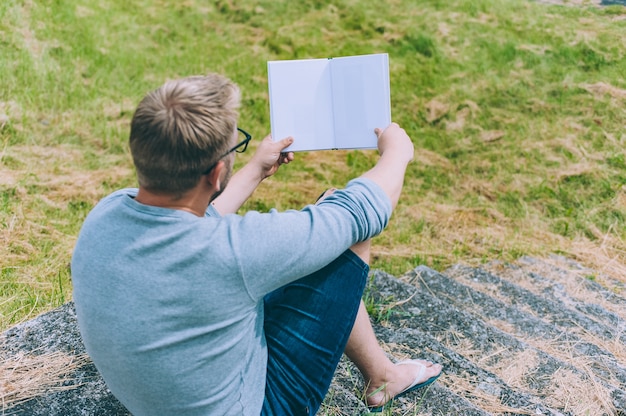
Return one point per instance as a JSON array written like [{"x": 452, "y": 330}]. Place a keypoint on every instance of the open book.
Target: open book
[{"x": 330, "y": 103}]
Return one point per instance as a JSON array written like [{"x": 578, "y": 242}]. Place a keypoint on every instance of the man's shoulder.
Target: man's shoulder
[
  {"x": 117, "y": 196},
  {"x": 120, "y": 193},
  {"x": 109, "y": 201}
]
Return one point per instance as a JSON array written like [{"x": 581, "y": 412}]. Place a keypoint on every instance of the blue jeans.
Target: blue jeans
[{"x": 307, "y": 325}]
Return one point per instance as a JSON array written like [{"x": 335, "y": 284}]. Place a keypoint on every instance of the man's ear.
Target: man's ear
[{"x": 213, "y": 177}]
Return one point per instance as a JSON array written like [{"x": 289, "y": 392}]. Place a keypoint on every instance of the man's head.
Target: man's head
[{"x": 182, "y": 129}]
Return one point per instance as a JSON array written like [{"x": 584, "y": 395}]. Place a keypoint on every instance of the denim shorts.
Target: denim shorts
[{"x": 307, "y": 325}]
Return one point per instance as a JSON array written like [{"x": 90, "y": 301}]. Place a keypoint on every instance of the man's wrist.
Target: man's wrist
[
  {"x": 397, "y": 157},
  {"x": 255, "y": 172}
]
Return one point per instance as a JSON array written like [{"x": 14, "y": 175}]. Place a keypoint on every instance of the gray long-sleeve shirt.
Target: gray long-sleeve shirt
[{"x": 170, "y": 305}]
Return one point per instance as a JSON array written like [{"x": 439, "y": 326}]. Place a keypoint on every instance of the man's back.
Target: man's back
[
  {"x": 170, "y": 304},
  {"x": 158, "y": 316}
]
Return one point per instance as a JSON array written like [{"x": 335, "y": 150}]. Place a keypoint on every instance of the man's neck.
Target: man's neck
[{"x": 194, "y": 201}]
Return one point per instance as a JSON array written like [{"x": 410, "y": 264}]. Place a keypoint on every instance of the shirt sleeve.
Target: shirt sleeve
[{"x": 276, "y": 248}]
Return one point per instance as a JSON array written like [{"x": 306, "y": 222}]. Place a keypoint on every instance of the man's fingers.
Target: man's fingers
[
  {"x": 285, "y": 157},
  {"x": 286, "y": 142}
]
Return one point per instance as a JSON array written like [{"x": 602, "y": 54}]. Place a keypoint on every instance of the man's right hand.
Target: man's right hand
[{"x": 395, "y": 140}]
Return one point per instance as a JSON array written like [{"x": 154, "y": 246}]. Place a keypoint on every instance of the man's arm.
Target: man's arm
[
  {"x": 395, "y": 147},
  {"x": 265, "y": 162},
  {"x": 396, "y": 151}
]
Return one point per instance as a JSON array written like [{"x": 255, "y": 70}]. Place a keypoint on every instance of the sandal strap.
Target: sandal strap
[{"x": 420, "y": 373}]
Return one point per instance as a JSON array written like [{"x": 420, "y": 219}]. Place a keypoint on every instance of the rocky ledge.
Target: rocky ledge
[{"x": 537, "y": 337}]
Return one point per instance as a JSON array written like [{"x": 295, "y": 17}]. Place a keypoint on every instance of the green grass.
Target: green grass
[{"x": 516, "y": 109}]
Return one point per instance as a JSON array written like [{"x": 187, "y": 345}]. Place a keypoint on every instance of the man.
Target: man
[{"x": 189, "y": 309}]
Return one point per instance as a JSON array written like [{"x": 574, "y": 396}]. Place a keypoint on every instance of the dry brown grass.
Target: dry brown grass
[
  {"x": 479, "y": 394},
  {"x": 608, "y": 256},
  {"x": 478, "y": 231},
  {"x": 578, "y": 395},
  {"x": 25, "y": 376},
  {"x": 36, "y": 242},
  {"x": 517, "y": 369},
  {"x": 572, "y": 281}
]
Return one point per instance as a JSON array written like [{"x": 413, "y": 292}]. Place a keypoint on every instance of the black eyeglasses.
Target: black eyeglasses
[
  {"x": 239, "y": 148},
  {"x": 242, "y": 145}
]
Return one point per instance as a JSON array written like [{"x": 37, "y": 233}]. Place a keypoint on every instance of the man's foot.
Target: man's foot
[{"x": 403, "y": 377}]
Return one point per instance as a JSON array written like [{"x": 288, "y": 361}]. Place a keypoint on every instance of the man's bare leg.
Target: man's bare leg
[{"x": 383, "y": 378}]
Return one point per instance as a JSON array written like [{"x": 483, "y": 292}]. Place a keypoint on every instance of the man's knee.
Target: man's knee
[{"x": 363, "y": 250}]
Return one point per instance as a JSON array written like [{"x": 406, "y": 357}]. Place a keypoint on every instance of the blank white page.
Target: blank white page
[
  {"x": 300, "y": 103},
  {"x": 361, "y": 99}
]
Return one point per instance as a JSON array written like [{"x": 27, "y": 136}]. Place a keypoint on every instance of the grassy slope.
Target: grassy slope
[{"x": 516, "y": 109}]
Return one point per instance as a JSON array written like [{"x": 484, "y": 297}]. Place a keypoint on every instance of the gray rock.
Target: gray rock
[{"x": 81, "y": 391}]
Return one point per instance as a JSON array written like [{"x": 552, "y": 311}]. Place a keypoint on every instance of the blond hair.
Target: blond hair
[{"x": 182, "y": 129}]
